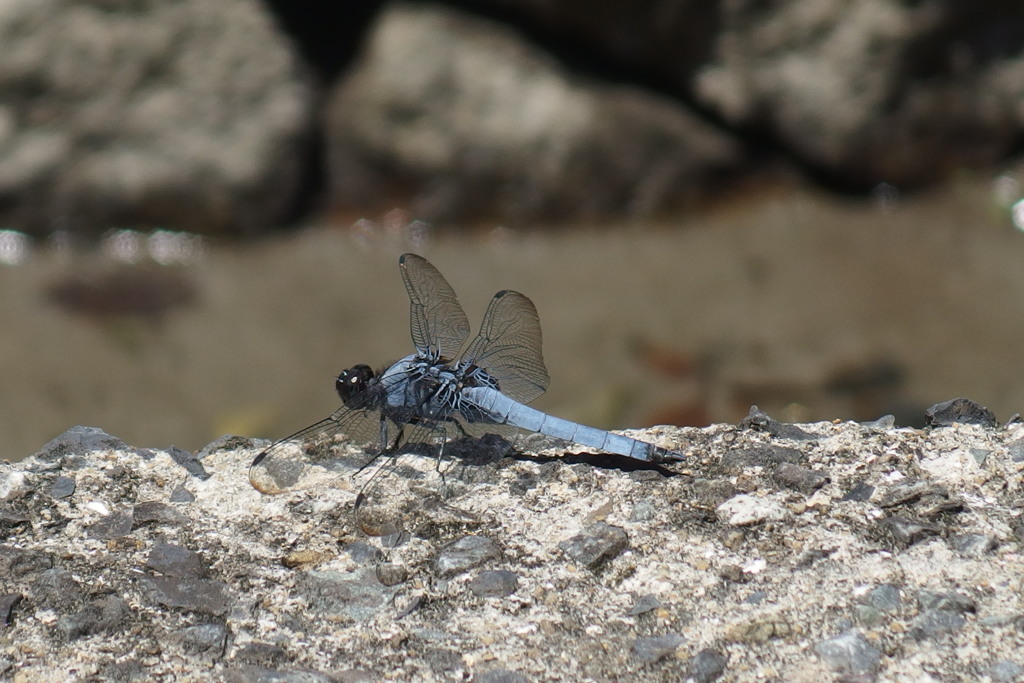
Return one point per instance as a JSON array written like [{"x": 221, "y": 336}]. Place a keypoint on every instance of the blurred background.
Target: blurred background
[{"x": 812, "y": 207}]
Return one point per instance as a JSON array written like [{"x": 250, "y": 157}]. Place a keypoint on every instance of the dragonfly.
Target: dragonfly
[{"x": 428, "y": 399}]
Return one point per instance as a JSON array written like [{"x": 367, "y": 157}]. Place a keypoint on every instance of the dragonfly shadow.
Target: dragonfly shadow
[{"x": 602, "y": 461}]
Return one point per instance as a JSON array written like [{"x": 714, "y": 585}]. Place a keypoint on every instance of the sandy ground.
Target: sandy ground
[{"x": 810, "y": 307}]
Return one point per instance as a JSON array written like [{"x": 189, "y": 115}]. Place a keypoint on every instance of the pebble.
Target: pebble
[
  {"x": 391, "y": 574},
  {"x": 7, "y": 604},
  {"x": 180, "y": 494},
  {"x": 597, "y": 544},
  {"x": 645, "y": 603},
  {"x": 973, "y": 545},
  {"x": 761, "y": 456},
  {"x": 1016, "y": 450},
  {"x": 174, "y": 560},
  {"x": 199, "y": 595},
  {"x": 79, "y": 441},
  {"x": 115, "y": 525},
  {"x": 158, "y": 513},
  {"x": 758, "y": 421},
  {"x": 859, "y": 492},
  {"x": 885, "y": 597},
  {"x": 464, "y": 554},
  {"x": 357, "y": 595},
  {"x": 496, "y": 583},
  {"x": 653, "y": 649},
  {"x": 934, "y": 623},
  {"x": 56, "y": 589},
  {"x": 706, "y": 666},
  {"x": 103, "y": 615},
  {"x": 849, "y": 653},
  {"x": 210, "y": 638},
  {"x": 189, "y": 461},
  {"x": 61, "y": 487},
  {"x": 799, "y": 478},
  {"x": 945, "y": 601},
  {"x": 959, "y": 410},
  {"x": 905, "y": 532},
  {"x": 745, "y": 510}
]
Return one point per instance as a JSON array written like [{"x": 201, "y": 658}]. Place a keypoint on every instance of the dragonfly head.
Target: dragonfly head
[{"x": 352, "y": 382}]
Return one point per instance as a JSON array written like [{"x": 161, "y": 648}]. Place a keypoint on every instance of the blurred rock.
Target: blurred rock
[
  {"x": 890, "y": 91},
  {"x": 185, "y": 114},
  {"x": 464, "y": 118}
]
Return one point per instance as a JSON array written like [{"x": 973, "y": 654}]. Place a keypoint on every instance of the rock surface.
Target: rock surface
[{"x": 549, "y": 571}]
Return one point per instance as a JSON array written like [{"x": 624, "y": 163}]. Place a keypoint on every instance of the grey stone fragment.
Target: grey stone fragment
[
  {"x": 959, "y": 410},
  {"x": 946, "y": 601},
  {"x": 16, "y": 562},
  {"x": 464, "y": 554},
  {"x": 849, "y": 652},
  {"x": 117, "y": 524},
  {"x": 159, "y": 513},
  {"x": 103, "y": 615},
  {"x": 596, "y": 544},
  {"x": 906, "y": 532},
  {"x": 973, "y": 545},
  {"x": 935, "y": 623},
  {"x": 61, "y": 487},
  {"x": 706, "y": 666},
  {"x": 758, "y": 421},
  {"x": 494, "y": 583},
  {"x": 263, "y": 654},
  {"x": 189, "y": 461},
  {"x": 56, "y": 589},
  {"x": 7, "y": 603},
  {"x": 868, "y": 616},
  {"x": 199, "y": 595},
  {"x": 211, "y": 638},
  {"x": 859, "y": 492},
  {"x": 1016, "y": 450},
  {"x": 79, "y": 441},
  {"x": 390, "y": 574},
  {"x": 181, "y": 495},
  {"x": 802, "y": 479},
  {"x": 885, "y": 597},
  {"x": 12, "y": 518},
  {"x": 761, "y": 456},
  {"x": 174, "y": 560},
  {"x": 645, "y": 603},
  {"x": 653, "y": 649},
  {"x": 357, "y": 595}
]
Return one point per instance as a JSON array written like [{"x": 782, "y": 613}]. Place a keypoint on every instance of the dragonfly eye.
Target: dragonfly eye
[{"x": 353, "y": 381}]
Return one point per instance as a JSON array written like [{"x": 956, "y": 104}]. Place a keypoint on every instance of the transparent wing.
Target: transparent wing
[
  {"x": 509, "y": 346},
  {"x": 337, "y": 446},
  {"x": 439, "y": 325}
]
